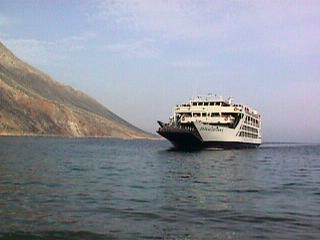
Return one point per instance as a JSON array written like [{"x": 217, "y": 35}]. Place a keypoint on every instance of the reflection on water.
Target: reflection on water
[{"x": 102, "y": 189}]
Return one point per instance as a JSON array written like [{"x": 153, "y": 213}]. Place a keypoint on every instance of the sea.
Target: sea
[{"x": 56, "y": 188}]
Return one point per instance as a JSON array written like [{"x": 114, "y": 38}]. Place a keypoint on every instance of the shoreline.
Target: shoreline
[{"x": 77, "y": 137}]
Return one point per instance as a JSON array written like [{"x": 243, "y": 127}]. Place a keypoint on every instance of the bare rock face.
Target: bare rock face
[{"x": 31, "y": 103}]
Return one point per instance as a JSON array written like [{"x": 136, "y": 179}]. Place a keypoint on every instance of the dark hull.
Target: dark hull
[
  {"x": 229, "y": 145},
  {"x": 186, "y": 139},
  {"x": 183, "y": 140}
]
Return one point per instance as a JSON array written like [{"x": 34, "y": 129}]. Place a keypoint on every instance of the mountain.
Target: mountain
[{"x": 32, "y": 103}]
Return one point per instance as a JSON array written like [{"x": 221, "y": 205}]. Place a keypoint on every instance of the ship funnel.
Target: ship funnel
[{"x": 230, "y": 100}]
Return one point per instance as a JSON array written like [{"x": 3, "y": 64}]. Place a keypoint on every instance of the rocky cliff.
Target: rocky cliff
[{"x": 31, "y": 103}]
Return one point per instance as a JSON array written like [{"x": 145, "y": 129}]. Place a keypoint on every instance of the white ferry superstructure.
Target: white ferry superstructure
[{"x": 213, "y": 122}]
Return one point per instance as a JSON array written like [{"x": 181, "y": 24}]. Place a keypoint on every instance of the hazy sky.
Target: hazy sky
[{"x": 140, "y": 58}]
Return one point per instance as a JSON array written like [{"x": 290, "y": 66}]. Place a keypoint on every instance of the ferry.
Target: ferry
[{"x": 212, "y": 122}]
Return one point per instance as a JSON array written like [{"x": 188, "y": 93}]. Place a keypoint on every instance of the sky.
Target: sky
[{"x": 140, "y": 58}]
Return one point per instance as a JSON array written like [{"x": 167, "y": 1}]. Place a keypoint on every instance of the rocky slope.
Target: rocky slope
[{"x": 31, "y": 103}]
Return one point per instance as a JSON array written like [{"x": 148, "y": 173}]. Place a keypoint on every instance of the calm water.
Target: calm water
[{"x": 114, "y": 189}]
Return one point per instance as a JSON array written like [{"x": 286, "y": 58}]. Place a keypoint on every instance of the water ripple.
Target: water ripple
[{"x": 114, "y": 189}]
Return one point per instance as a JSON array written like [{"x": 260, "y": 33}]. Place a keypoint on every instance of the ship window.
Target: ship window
[
  {"x": 224, "y": 104},
  {"x": 217, "y": 104},
  {"x": 200, "y": 103},
  {"x": 206, "y": 104},
  {"x": 204, "y": 114},
  {"x": 215, "y": 115},
  {"x": 194, "y": 104},
  {"x": 211, "y": 103},
  {"x": 196, "y": 114}
]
